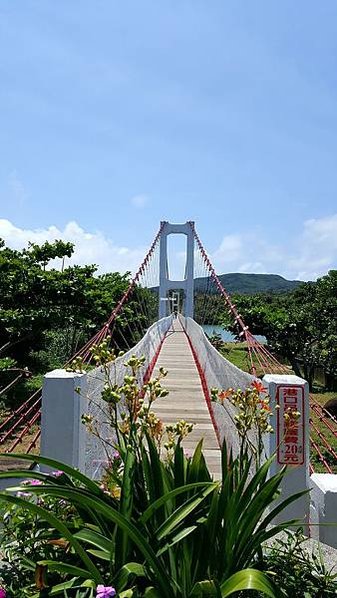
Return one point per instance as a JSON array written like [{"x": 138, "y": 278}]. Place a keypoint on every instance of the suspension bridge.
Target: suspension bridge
[{"x": 168, "y": 330}]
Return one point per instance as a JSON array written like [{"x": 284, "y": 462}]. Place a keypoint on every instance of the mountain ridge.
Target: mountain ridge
[{"x": 237, "y": 282}]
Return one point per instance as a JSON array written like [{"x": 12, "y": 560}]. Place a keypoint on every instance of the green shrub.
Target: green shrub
[
  {"x": 159, "y": 527},
  {"x": 296, "y": 572}
]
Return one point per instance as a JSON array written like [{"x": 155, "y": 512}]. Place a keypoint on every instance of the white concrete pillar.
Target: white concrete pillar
[
  {"x": 163, "y": 275},
  {"x": 62, "y": 432},
  {"x": 323, "y": 508},
  {"x": 290, "y": 441},
  {"x": 189, "y": 273}
]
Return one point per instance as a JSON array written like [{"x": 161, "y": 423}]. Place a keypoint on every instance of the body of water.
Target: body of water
[{"x": 227, "y": 336}]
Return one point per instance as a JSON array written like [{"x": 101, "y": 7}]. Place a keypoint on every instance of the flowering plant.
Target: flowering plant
[
  {"x": 162, "y": 528},
  {"x": 130, "y": 409},
  {"x": 105, "y": 591},
  {"x": 251, "y": 418}
]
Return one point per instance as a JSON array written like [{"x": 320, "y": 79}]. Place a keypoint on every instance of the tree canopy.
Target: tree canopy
[
  {"x": 301, "y": 325},
  {"x": 47, "y": 312}
]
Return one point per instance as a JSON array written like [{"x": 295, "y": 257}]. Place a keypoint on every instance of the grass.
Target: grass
[
  {"x": 330, "y": 437},
  {"x": 20, "y": 448},
  {"x": 237, "y": 354}
]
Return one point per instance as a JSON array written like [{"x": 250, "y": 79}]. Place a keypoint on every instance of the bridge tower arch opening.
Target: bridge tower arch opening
[{"x": 166, "y": 285}]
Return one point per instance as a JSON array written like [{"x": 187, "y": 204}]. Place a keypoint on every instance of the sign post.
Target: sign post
[{"x": 289, "y": 403}]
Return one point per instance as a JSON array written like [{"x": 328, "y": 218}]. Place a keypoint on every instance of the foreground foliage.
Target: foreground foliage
[
  {"x": 158, "y": 526},
  {"x": 177, "y": 532},
  {"x": 297, "y": 572}
]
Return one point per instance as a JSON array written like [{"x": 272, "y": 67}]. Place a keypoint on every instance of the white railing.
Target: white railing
[
  {"x": 66, "y": 396},
  {"x": 218, "y": 373}
]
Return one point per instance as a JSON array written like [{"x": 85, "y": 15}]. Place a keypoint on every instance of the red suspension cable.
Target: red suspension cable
[
  {"x": 21, "y": 415},
  {"x": 269, "y": 363},
  {"x": 226, "y": 296}
]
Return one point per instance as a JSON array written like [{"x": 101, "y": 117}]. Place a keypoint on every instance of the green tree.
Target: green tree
[
  {"x": 47, "y": 313},
  {"x": 300, "y": 326}
]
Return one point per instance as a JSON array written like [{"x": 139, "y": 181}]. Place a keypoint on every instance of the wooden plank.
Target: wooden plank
[{"x": 186, "y": 399}]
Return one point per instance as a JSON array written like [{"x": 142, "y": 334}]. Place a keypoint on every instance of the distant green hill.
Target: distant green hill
[{"x": 249, "y": 283}]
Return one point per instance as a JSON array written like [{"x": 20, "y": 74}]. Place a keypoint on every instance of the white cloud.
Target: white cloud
[
  {"x": 231, "y": 249},
  {"x": 309, "y": 255},
  {"x": 246, "y": 252},
  {"x": 139, "y": 201},
  {"x": 90, "y": 248},
  {"x": 318, "y": 247}
]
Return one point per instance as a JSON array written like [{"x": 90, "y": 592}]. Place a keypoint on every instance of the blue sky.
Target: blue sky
[{"x": 116, "y": 115}]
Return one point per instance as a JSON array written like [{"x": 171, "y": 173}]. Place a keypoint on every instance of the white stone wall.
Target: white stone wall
[{"x": 323, "y": 508}]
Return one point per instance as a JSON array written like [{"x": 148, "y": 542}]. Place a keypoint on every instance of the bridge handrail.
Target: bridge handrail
[{"x": 149, "y": 346}]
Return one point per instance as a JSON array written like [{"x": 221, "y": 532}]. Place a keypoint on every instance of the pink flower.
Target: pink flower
[
  {"x": 104, "y": 591},
  {"x": 31, "y": 483},
  {"x": 56, "y": 473},
  {"x": 2, "y": 593}
]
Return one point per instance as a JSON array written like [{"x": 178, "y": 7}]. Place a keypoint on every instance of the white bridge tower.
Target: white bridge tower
[{"x": 165, "y": 284}]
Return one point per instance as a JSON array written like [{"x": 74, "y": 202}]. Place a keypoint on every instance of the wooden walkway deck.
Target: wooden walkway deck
[{"x": 186, "y": 399}]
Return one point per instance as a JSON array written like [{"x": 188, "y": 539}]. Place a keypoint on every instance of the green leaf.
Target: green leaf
[
  {"x": 58, "y": 525},
  {"x": 186, "y": 531},
  {"x": 169, "y": 495},
  {"x": 128, "y": 572},
  {"x": 182, "y": 512},
  {"x": 151, "y": 593},
  {"x": 95, "y": 539},
  {"x": 204, "y": 589},
  {"x": 156, "y": 469},
  {"x": 125, "y": 508},
  {"x": 179, "y": 466},
  {"x": 100, "y": 554},
  {"x": 147, "y": 473},
  {"x": 55, "y": 465},
  {"x": 197, "y": 470},
  {"x": 248, "y": 579},
  {"x": 67, "y": 585},
  {"x": 110, "y": 514},
  {"x": 64, "y": 568}
]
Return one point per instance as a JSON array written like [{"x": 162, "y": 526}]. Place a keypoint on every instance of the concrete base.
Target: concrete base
[
  {"x": 63, "y": 404},
  {"x": 323, "y": 508}
]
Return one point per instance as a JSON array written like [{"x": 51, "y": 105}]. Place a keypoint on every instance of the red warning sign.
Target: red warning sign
[{"x": 290, "y": 433}]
